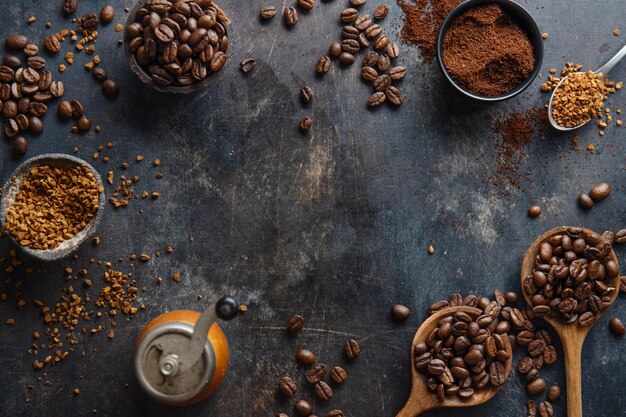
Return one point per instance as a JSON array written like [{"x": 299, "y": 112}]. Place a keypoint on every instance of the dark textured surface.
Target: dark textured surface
[{"x": 333, "y": 225}]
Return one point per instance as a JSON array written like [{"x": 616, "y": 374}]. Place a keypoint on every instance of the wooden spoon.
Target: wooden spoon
[
  {"x": 572, "y": 335},
  {"x": 420, "y": 398}
]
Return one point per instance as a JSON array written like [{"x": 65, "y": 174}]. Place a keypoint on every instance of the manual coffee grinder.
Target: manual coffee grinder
[{"x": 181, "y": 357}]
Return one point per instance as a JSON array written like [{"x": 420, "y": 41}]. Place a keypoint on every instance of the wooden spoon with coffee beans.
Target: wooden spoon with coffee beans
[
  {"x": 421, "y": 399},
  {"x": 572, "y": 335}
]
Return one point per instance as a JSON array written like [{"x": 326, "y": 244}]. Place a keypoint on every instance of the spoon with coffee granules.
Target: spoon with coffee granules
[
  {"x": 572, "y": 335},
  {"x": 421, "y": 399},
  {"x": 604, "y": 70}
]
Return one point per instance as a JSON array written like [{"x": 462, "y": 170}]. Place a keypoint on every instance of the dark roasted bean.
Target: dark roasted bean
[
  {"x": 400, "y": 312},
  {"x": 305, "y": 124},
  {"x": 295, "y": 323},
  {"x": 290, "y": 16},
  {"x": 349, "y": 15},
  {"x": 334, "y": 50},
  {"x": 306, "y": 4},
  {"x": 381, "y": 12},
  {"x": 346, "y": 58},
  {"x": 338, "y": 374},
  {"x": 16, "y": 42},
  {"x": 394, "y": 95},
  {"x": 376, "y": 99},
  {"x": 70, "y": 6},
  {"x": 305, "y": 357},
  {"x": 369, "y": 73},
  {"x": 316, "y": 373},
  {"x": 352, "y": 349},
  {"x": 323, "y": 391},
  {"x": 323, "y": 65},
  {"x": 600, "y": 191},
  {"x": 585, "y": 201},
  {"x": 303, "y": 408},
  {"x": 306, "y": 94},
  {"x": 287, "y": 386},
  {"x": 616, "y": 326}
]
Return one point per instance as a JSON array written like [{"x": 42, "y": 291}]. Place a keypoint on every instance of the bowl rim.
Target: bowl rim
[
  {"x": 84, "y": 234},
  {"x": 146, "y": 79},
  {"x": 529, "y": 26}
]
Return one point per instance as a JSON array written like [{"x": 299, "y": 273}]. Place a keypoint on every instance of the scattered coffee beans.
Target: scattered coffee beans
[
  {"x": 616, "y": 326},
  {"x": 400, "y": 312}
]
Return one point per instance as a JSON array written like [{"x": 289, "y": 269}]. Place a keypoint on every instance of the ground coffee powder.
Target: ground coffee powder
[{"x": 486, "y": 52}]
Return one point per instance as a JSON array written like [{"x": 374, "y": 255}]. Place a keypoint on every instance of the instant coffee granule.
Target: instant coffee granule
[
  {"x": 486, "y": 52},
  {"x": 52, "y": 205}
]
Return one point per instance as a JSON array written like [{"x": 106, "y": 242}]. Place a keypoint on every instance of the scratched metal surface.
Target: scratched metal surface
[{"x": 333, "y": 225}]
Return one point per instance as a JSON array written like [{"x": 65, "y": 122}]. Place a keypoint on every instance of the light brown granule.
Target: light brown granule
[{"x": 52, "y": 205}]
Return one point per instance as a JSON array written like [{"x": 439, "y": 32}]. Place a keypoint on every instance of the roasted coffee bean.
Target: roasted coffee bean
[
  {"x": 620, "y": 236},
  {"x": 9, "y": 109},
  {"x": 536, "y": 387},
  {"x": 77, "y": 108},
  {"x": 267, "y": 12},
  {"x": 335, "y": 413},
  {"x": 218, "y": 61},
  {"x": 99, "y": 74},
  {"x": 338, "y": 374},
  {"x": 400, "y": 312},
  {"x": 11, "y": 128},
  {"x": 65, "y": 110},
  {"x": 306, "y": 4},
  {"x": 247, "y": 65},
  {"x": 363, "y": 22},
  {"x": 303, "y": 408},
  {"x": 52, "y": 44},
  {"x": 383, "y": 64},
  {"x": 350, "y": 32},
  {"x": 107, "y": 14},
  {"x": 349, "y": 15},
  {"x": 554, "y": 393},
  {"x": 35, "y": 125},
  {"x": 287, "y": 386},
  {"x": 369, "y": 73},
  {"x": 381, "y": 12},
  {"x": 6, "y": 74},
  {"x": 89, "y": 21},
  {"x": 376, "y": 99},
  {"x": 305, "y": 357},
  {"x": 37, "y": 109},
  {"x": 352, "y": 349},
  {"x": 20, "y": 145},
  {"x": 393, "y": 50},
  {"x": 164, "y": 33},
  {"x": 334, "y": 50},
  {"x": 531, "y": 408},
  {"x": 350, "y": 46},
  {"x": 394, "y": 95},
  {"x": 323, "y": 391},
  {"x": 616, "y": 326},
  {"x": 373, "y": 31},
  {"x": 23, "y": 104},
  {"x": 363, "y": 41},
  {"x": 83, "y": 124},
  {"x": 70, "y": 6},
  {"x": 381, "y": 42},
  {"x": 306, "y": 94},
  {"x": 57, "y": 89},
  {"x": 600, "y": 191},
  {"x": 586, "y": 319},
  {"x": 346, "y": 58},
  {"x": 22, "y": 122},
  {"x": 510, "y": 297},
  {"x": 37, "y": 62},
  {"x": 305, "y": 124},
  {"x": 323, "y": 65},
  {"x": 110, "y": 89},
  {"x": 382, "y": 83},
  {"x": 525, "y": 365},
  {"x": 370, "y": 59},
  {"x": 11, "y": 61},
  {"x": 295, "y": 323},
  {"x": 585, "y": 201},
  {"x": 316, "y": 373},
  {"x": 497, "y": 375},
  {"x": 545, "y": 409},
  {"x": 16, "y": 42},
  {"x": 290, "y": 16},
  {"x": 357, "y": 3}
]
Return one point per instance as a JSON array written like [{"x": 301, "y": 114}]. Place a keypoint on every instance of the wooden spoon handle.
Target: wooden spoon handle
[{"x": 572, "y": 348}]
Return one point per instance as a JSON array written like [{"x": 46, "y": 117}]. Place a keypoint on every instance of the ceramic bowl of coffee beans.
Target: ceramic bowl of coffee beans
[
  {"x": 177, "y": 46},
  {"x": 51, "y": 204},
  {"x": 489, "y": 50}
]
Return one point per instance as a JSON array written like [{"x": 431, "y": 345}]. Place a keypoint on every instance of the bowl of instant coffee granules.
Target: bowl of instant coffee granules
[
  {"x": 490, "y": 50},
  {"x": 176, "y": 46},
  {"x": 51, "y": 204}
]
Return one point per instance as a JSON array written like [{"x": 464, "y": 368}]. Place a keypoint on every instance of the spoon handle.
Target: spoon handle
[
  {"x": 572, "y": 348},
  {"x": 613, "y": 61}
]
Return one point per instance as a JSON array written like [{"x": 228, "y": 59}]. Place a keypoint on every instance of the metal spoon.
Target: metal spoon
[
  {"x": 421, "y": 398},
  {"x": 604, "y": 70}
]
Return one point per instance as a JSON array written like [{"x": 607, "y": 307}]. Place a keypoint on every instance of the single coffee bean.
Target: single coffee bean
[
  {"x": 22, "y": 122},
  {"x": 335, "y": 413},
  {"x": 89, "y": 20},
  {"x": 346, "y": 58},
  {"x": 11, "y": 128},
  {"x": 9, "y": 109},
  {"x": 400, "y": 312},
  {"x": 497, "y": 375},
  {"x": 107, "y": 14},
  {"x": 510, "y": 297},
  {"x": 305, "y": 357},
  {"x": 394, "y": 95},
  {"x": 11, "y": 61},
  {"x": 363, "y": 22},
  {"x": 295, "y": 323},
  {"x": 35, "y": 125},
  {"x": 6, "y": 74},
  {"x": 83, "y": 124},
  {"x": 316, "y": 373},
  {"x": 303, "y": 408},
  {"x": 20, "y": 145},
  {"x": 76, "y": 107},
  {"x": 70, "y": 6},
  {"x": 545, "y": 409},
  {"x": 600, "y": 191},
  {"x": 305, "y": 124},
  {"x": 393, "y": 50},
  {"x": 338, "y": 374},
  {"x": 369, "y": 73},
  {"x": 382, "y": 83},
  {"x": 323, "y": 391},
  {"x": 376, "y": 99},
  {"x": 16, "y": 42},
  {"x": 218, "y": 61},
  {"x": 534, "y": 211},
  {"x": 554, "y": 393},
  {"x": 381, "y": 42},
  {"x": 384, "y": 63},
  {"x": 287, "y": 386},
  {"x": 620, "y": 236},
  {"x": 110, "y": 89},
  {"x": 350, "y": 32},
  {"x": 585, "y": 201},
  {"x": 349, "y": 15},
  {"x": 616, "y": 326},
  {"x": 52, "y": 44},
  {"x": 334, "y": 50},
  {"x": 267, "y": 12},
  {"x": 531, "y": 407},
  {"x": 352, "y": 349},
  {"x": 37, "y": 109},
  {"x": 37, "y": 62},
  {"x": 57, "y": 89},
  {"x": 65, "y": 110},
  {"x": 586, "y": 319},
  {"x": 357, "y": 3},
  {"x": 350, "y": 45},
  {"x": 306, "y": 4},
  {"x": 550, "y": 355},
  {"x": 99, "y": 74},
  {"x": 373, "y": 31},
  {"x": 536, "y": 386},
  {"x": 306, "y": 94},
  {"x": 370, "y": 59},
  {"x": 291, "y": 16},
  {"x": 525, "y": 365},
  {"x": 363, "y": 41},
  {"x": 323, "y": 65},
  {"x": 247, "y": 65},
  {"x": 381, "y": 12}
]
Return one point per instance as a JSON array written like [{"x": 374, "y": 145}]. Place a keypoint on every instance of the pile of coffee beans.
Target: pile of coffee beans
[
  {"x": 462, "y": 355},
  {"x": 178, "y": 43},
  {"x": 315, "y": 375},
  {"x": 572, "y": 276},
  {"x": 25, "y": 88}
]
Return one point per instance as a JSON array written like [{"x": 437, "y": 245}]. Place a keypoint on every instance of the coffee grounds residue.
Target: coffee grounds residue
[
  {"x": 486, "y": 52},
  {"x": 422, "y": 20}
]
